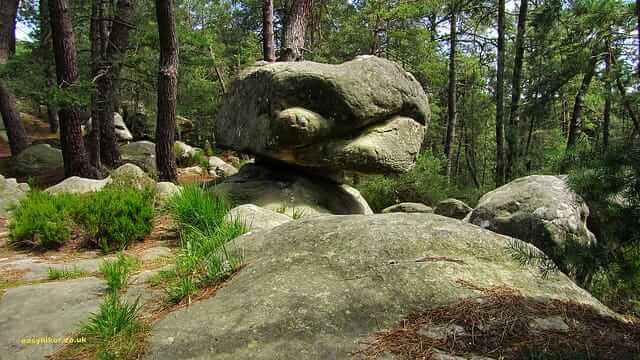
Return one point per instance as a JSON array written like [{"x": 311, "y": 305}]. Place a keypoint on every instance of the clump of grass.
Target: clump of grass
[
  {"x": 295, "y": 212},
  {"x": 117, "y": 272},
  {"x": 115, "y": 331},
  {"x": 65, "y": 274},
  {"x": 203, "y": 258}
]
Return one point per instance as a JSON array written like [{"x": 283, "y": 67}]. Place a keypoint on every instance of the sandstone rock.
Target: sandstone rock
[
  {"x": 40, "y": 159},
  {"x": 11, "y": 192},
  {"x": 141, "y": 153},
  {"x": 408, "y": 207},
  {"x": 165, "y": 190},
  {"x": 122, "y": 132},
  {"x": 538, "y": 209},
  {"x": 77, "y": 185},
  {"x": 130, "y": 176},
  {"x": 184, "y": 152},
  {"x": 314, "y": 288},
  {"x": 192, "y": 171},
  {"x": 50, "y": 309},
  {"x": 365, "y": 115},
  {"x": 219, "y": 168},
  {"x": 296, "y": 195},
  {"x": 553, "y": 323},
  {"x": 453, "y": 208},
  {"x": 255, "y": 217}
]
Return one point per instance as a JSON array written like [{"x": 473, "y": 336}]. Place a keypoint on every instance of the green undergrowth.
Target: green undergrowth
[
  {"x": 203, "y": 259},
  {"x": 65, "y": 273},
  {"x": 111, "y": 219}
]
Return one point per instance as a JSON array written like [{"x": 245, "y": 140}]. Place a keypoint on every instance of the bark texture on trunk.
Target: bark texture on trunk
[
  {"x": 45, "y": 52},
  {"x": 97, "y": 12},
  {"x": 513, "y": 133},
  {"x": 606, "y": 118},
  {"x": 576, "y": 116},
  {"x": 109, "y": 74},
  {"x": 167, "y": 94},
  {"x": 451, "y": 109},
  {"x": 294, "y": 31},
  {"x": 500, "y": 158},
  {"x": 268, "y": 42},
  {"x": 18, "y": 140},
  {"x": 8, "y": 13},
  {"x": 74, "y": 154}
]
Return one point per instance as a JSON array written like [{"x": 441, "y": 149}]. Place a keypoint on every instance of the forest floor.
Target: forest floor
[{"x": 37, "y": 131}]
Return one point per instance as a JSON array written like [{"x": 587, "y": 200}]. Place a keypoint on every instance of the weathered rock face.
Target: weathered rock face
[
  {"x": 314, "y": 288},
  {"x": 255, "y": 217},
  {"x": 365, "y": 115},
  {"x": 219, "y": 168},
  {"x": 141, "y": 153},
  {"x": 296, "y": 195},
  {"x": 453, "y": 208},
  {"x": 40, "y": 159},
  {"x": 122, "y": 132},
  {"x": 538, "y": 209},
  {"x": 11, "y": 192},
  {"x": 165, "y": 190},
  {"x": 77, "y": 185},
  {"x": 408, "y": 207}
]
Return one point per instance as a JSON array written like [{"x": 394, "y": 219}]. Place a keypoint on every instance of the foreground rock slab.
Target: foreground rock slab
[
  {"x": 51, "y": 309},
  {"x": 365, "y": 115},
  {"x": 314, "y": 288},
  {"x": 283, "y": 190}
]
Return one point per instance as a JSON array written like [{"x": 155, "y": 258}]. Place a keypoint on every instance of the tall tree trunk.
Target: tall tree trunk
[
  {"x": 451, "y": 124},
  {"x": 294, "y": 31},
  {"x": 97, "y": 13},
  {"x": 8, "y": 13},
  {"x": 13, "y": 124},
  {"x": 167, "y": 94},
  {"x": 513, "y": 133},
  {"x": 268, "y": 42},
  {"x": 606, "y": 118},
  {"x": 10, "y": 116},
  {"x": 45, "y": 52},
  {"x": 500, "y": 158},
  {"x": 638, "y": 28},
  {"x": 576, "y": 116},
  {"x": 108, "y": 80},
  {"x": 74, "y": 155}
]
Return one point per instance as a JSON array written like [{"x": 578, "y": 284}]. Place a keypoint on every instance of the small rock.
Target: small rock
[
  {"x": 553, "y": 323},
  {"x": 219, "y": 168},
  {"x": 11, "y": 192},
  {"x": 453, "y": 208},
  {"x": 77, "y": 185},
  {"x": 441, "y": 332},
  {"x": 408, "y": 207},
  {"x": 165, "y": 190},
  {"x": 192, "y": 171},
  {"x": 130, "y": 176}
]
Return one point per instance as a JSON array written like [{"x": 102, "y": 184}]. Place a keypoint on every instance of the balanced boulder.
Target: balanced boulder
[
  {"x": 538, "y": 209},
  {"x": 280, "y": 189},
  {"x": 366, "y": 115}
]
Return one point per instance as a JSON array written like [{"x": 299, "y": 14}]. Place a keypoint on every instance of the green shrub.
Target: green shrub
[
  {"x": 64, "y": 273},
  {"x": 196, "y": 207},
  {"x": 115, "y": 218},
  {"x": 42, "y": 220}
]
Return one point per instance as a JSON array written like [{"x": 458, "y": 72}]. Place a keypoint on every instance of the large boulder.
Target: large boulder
[
  {"x": 122, "y": 132},
  {"x": 315, "y": 288},
  {"x": 453, "y": 208},
  {"x": 11, "y": 192},
  {"x": 539, "y": 209},
  {"x": 366, "y": 115},
  {"x": 77, "y": 185},
  {"x": 141, "y": 153},
  {"x": 40, "y": 159},
  {"x": 280, "y": 189}
]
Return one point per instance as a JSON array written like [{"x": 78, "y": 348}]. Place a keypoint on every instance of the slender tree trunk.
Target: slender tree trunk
[
  {"x": 638, "y": 28},
  {"x": 268, "y": 43},
  {"x": 13, "y": 124},
  {"x": 97, "y": 13},
  {"x": 451, "y": 124},
  {"x": 294, "y": 31},
  {"x": 74, "y": 154},
  {"x": 45, "y": 52},
  {"x": 606, "y": 118},
  {"x": 167, "y": 84},
  {"x": 108, "y": 80},
  {"x": 513, "y": 133},
  {"x": 8, "y": 13},
  {"x": 576, "y": 116},
  {"x": 500, "y": 158}
]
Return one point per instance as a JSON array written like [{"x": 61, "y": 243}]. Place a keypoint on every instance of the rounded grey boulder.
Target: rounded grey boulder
[
  {"x": 453, "y": 208},
  {"x": 40, "y": 159},
  {"x": 539, "y": 209},
  {"x": 11, "y": 192},
  {"x": 366, "y": 115}
]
